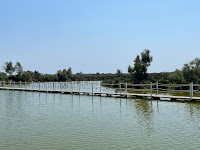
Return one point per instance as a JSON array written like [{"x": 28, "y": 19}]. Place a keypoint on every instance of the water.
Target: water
[{"x": 31, "y": 120}]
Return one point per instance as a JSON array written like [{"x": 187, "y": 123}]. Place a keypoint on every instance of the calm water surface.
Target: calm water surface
[{"x": 42, "y": 121}]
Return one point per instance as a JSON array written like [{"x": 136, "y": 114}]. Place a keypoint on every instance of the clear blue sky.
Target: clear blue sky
[{"x": 98, "y": 35}]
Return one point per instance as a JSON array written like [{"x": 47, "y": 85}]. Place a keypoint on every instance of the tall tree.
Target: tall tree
[
  {"x": 18, "y": 68},
  {"x": 8, "y": 67},
  {"x": 69, "y": 72},
  {"x": 141, "y": 63}
]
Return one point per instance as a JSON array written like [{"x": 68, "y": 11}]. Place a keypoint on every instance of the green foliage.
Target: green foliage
[
  {"x": 191, "y": 71},
  {"x": 27, "y": 76},
  {"x": 36, "y": 76},
  {"x": 18, "y": 68},
  {"x": 139, "y": 71},
  {"x": 177, "y": 77},
  {"x": 64, "y": 75},
  {"x": 8, "y": 67},
  {"x": 3, "y": 76},
  {"x": 119, "y": 73},
  {"x": 146, "y": 58},
  {"x": 69, "y": 72}
]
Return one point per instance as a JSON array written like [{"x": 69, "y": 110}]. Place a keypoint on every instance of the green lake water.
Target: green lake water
[{"x": 40, "y": 121}]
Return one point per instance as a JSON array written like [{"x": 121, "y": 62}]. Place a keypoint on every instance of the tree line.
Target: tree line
[{"x": 137, "y": 73}]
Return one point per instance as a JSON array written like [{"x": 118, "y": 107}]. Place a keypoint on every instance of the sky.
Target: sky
[{"x": 98, "y": 35}]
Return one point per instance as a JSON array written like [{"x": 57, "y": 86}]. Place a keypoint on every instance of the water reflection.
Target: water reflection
[{"x": 145, "y": 112}]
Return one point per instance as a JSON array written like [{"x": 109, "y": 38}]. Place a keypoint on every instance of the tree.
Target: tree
[
  {"x": 141, "y": 63},
  {"x": 177, "y": 77},
  {"x": 3, "y": 76},
  {"x": 69, "y": 72},
  {"x": 18, "y": 68},
  {"x": 8, "y": 67},
  {"x": 62, "y": 75},
  {"x": 191, "y": 71},
  {"x": 119, "y": 73},
  {"x": 27, "y": 76},
  {"x": 37, "y": 76}
]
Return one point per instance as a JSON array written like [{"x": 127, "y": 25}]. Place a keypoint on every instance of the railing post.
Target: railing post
[
  {"x": 10, "y": 84},
  {"x": 25, "y": 84},
  {"x": 100, "y": 86},
  {"x": 92, "y": 88},
  {"x": 157, "y": 87},
  {"x": 151, "y": 90},
  {"x": 191, "y": 90},
  {"x": 53, "y": 86},
  {"x": 39, "y": 85},
  {"x": 20, "y": 83},
  {"x": 126, "y": 87},
  {"x": 72, "y": 87},
  {"x": 120, "y": 88},
  {"x": 14, "y": 84}
]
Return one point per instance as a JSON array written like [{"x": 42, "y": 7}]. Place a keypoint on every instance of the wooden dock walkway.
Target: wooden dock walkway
[{"x": 122, "y": 95}]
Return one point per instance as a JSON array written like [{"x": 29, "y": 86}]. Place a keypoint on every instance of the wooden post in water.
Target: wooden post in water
[
  {"x": 25, "y": 84},
  {"x": 20, "y": 83},
  {"x": 39, "y": 85},
  {"x": 10, "y": 84},
  {"x": 53, "y": 86},
  {"x": 14, "y": 84},
  {"x": 151, "y": 90}
]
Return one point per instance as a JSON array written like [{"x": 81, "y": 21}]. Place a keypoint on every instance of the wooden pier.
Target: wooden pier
[{"x": 122, "y": 95}]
